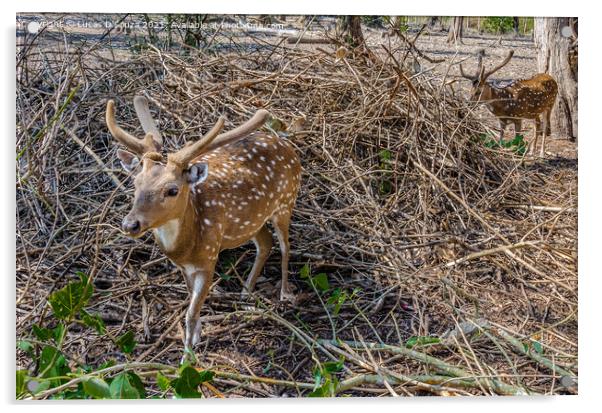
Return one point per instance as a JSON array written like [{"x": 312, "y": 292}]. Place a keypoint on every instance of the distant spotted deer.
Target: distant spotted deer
[
  {"x": 215, "y": 194},
  {"x": 515, "y": 100}
]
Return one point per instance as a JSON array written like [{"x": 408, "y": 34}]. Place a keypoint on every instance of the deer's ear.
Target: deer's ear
[
  {"x": 197, "y": 173},
  {"x": 128, "y": 160}
]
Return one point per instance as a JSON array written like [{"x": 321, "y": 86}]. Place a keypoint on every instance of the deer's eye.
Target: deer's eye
[{"x": 173, "y": 191}]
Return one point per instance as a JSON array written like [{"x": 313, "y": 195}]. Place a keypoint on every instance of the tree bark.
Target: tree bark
[
  {"x": 556, "y": 43},
  {"x": 455, "y": 30},
  {"x": 350, "y": 28},
  {"x": 515, "y": 26}
]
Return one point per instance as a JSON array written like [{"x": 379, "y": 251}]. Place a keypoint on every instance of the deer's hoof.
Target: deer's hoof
[
  {"x": 189, "y": 357},
  {"x": 287, "y": 295}
]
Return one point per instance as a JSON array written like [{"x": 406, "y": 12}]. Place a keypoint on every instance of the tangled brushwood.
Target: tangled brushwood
[{"x": 424, "y": 260}]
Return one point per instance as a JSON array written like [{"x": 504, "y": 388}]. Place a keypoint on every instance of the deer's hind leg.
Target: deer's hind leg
[
  {"x": 281, "y": 221},
  {"x": 503, "y": 123},
  {"x": 518, "y": 126},
  {"x": 537, "y": 133},
  {"x": 547, "y": 130},
  {"x": 263, "y": 243}
]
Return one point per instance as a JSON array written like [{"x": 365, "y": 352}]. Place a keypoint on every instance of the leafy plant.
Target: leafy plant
[
  {"x": 51, "y": 366},
  {"x": 186, "y": 385},
  {"x": 338, "y": 297},
  {"x": 325, "y": 380},
  {"x": 517, "y": 144},
  {"x": 126, "y": 342},
  {"x": 318, "y": 281},
  {"x": 498, "y": 25}
]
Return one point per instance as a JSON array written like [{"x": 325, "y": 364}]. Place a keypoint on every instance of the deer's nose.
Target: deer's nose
[{"x": 130, "y": 225}]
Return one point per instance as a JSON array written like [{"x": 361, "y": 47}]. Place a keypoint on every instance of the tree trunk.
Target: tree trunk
[
  {"x": 455, "y": 30},
  {"x": 515, "y": 26},
  {"x": 350, "y": 28},
  {"x": 556, "y": 43},
  {"x": 433, "y": 22}
]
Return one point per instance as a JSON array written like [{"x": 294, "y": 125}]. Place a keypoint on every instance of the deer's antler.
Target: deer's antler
[
  {"x": 464, "y": 75},
  {"x": 146, "y": 119},
  {"x": 210, "y": 142},
  {"x": 498, "y": 67},
  {"x": 258, "y": 119},
  {"x": 183, "y": 157},
  {"x": 138, "y": 146}
]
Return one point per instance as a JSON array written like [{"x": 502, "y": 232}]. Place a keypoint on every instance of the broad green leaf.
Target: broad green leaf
[
  {"x": 206, "y": 375},
  {"x": 126, "y": 386},
  {"x": 42, "y": 334},
  {"x": 304, "y": 271},
  {"x": 321, "y": 282},
  {"x": 328, "y": 389},
  {"x": 94, "y": 321},
  {"x": 25, "y": 346},
  {"x": 126, "y": 342},
  {"x": 332, "y": 366},
  {"x": 97, "y": 388},
  {"x": 162, "y": 382},
  {"x": 52, "y": 364},
  {"x": 186, "y": 386},
  {"x": 67, "y": 301},
  {"x": 57, "y": 332},
  {"x": 137, "y": 383}
]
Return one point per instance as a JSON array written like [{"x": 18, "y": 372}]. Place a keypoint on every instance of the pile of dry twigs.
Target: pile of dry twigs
[{"x": 421, "y": 230}]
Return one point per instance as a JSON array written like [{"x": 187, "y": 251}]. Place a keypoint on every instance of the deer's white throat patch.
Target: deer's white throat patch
[{"x": 167, "y": 234}]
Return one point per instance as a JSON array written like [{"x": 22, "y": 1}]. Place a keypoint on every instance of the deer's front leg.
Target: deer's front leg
[{"x": 199, "y": 279}]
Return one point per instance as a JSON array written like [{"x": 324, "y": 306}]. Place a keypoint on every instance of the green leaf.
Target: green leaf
[
  {"x": 328, "y": 389},
  {"x": 77, "y": 394},
  {"x": 42, "y": 334},
  {"x": 127, "y": 385},
  {"x": 337, "y": 299},
  {"x": 321, "y": 282},
  {"x": 25, "y": 346},
  {"x": 126, "y": 342},
  {"x": 332, "y": 366},
  {"x": 206, "y": 375},
  {"x": 21, "y": 382},
  {"x": 421, "y": 341},
  {"x": 94, "y": 321},
  {"x": 97, "y": 388},
  {"x": 537, "y": 346},
  {"x": 385, "y": 155},
  {"x": 67, "y": 301},
  {"x": 162, "y": 382},
  {"x": 186, "y": 386},
  {"x": 224, "y": 276},
  {"x": 52, "y": 364},
  {"x": 304, "y": 271},
  {"x": 58, "y": 332}
]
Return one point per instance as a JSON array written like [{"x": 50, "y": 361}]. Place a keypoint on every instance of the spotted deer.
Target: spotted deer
[
  {"x": 217, "y": 193},
  {"x": 514, "y": 100}
]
